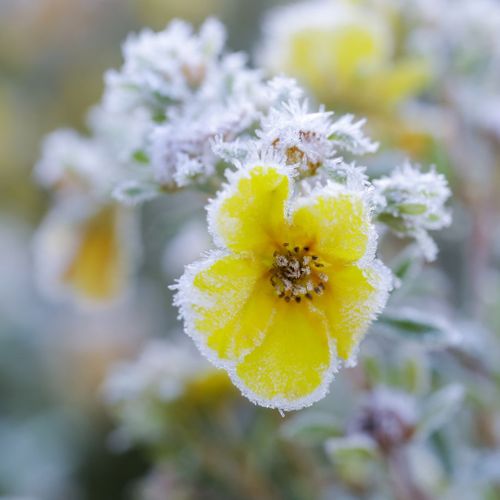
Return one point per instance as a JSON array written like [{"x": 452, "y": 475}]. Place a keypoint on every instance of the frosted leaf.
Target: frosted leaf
[
  {"x": 347, "y": 135},
  {"x": 412, "y": 202}
]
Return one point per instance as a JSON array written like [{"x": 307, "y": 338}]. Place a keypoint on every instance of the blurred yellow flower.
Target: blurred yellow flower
[
  {"x": 85, "y": 252},
  {"x": 346, "y": 53},
  {"x": 294, "y": 286}
]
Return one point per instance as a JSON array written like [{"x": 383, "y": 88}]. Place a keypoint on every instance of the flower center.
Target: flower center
[{"x": 297, "y": 274}]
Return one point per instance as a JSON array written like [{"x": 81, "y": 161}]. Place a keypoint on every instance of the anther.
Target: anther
[
  {"x": 314, "y": 257},
  {"x": 297, "y": 299},
  {"x": 296, "y": 249}
]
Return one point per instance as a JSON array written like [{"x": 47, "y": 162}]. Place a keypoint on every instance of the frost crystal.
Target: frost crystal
[{"x": 411, "y": 202}]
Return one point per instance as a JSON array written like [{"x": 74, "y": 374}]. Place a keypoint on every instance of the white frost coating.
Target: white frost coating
[
  {"x": 382, "y": 280},
  {"x": 412, "y": 202},
  {"x": 347, "y": 134}
]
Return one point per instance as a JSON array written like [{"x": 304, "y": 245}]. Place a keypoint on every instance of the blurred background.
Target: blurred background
[{"x": 59, "y": 440}]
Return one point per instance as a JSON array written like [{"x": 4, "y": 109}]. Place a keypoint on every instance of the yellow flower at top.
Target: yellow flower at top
[
  {"x": 293, "y": 287},
  {"x": 348, "y": 53}
]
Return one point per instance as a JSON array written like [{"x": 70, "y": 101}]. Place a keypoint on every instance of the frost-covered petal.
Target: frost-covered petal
[
  {"x": 352, "y": 299},
  {"x": 336, "y": 222},
  {"x": 294, "y": 364},
  {"x": 227, "y": 303},
  {"x": 249, "y": 214}
]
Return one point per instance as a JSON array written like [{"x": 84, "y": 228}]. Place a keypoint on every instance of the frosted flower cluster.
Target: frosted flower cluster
[
  {"x": 412, "y": 202},
  {"x": 309, "y": 142},
  {"x": 193, "y": 92},
  {"x": 169, "y": 67},
  {"x": 199, "y": 125}
]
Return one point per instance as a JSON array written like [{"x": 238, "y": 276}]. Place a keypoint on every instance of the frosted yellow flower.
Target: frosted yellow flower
[
  {"x": 293, "y": 287},
  {"x": 346, "y": 52},
  {"x": 85, "y": 253}
]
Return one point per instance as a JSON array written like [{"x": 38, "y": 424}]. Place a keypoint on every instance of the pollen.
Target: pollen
[{"x": 294, "y": 273}]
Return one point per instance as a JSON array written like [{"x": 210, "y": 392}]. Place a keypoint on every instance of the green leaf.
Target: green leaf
[
  {"x": 355, "y": 446},
  {"x": 310, "y": 427},
  {"x": 408, "y": 264},
  {"x": 134, "y": 193},
  {"x": 439, "y": 409},
  {"x": 412, "y": 208},
  {"x": 140, "y": 156},
  {"x": 413, "y": 325}
]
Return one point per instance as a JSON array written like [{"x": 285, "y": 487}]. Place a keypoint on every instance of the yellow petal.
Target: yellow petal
[
  {"x": 336, "y": 225},
  {"x": 250, "y": 213},
  {"x": 232, "y": 302},
  {"x": 403, "y": 80},
  {"x": 352, "y": 298},
  {"x": 97, "y": 269},
  {"x": 293, "y": 366}
]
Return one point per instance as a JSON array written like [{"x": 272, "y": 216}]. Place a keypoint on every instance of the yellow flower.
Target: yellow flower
[
  {"x": 346, "y": 53},
  {"x": 293, "y": 287},
  {"x": 85, "y": 253}
]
